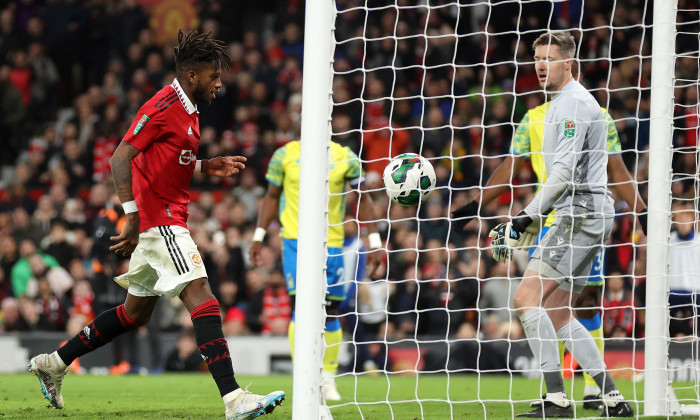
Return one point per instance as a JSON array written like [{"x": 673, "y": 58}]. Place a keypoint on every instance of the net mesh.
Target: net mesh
[{"x": 453, "y": 81}]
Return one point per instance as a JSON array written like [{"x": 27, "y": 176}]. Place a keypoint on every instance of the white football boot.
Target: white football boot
[
  {"x": 242, "y": 404},
  {"x": 50, "y": 372}
]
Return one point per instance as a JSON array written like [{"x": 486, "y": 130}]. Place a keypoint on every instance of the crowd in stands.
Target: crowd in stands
[{"x": 73, "y": 75}]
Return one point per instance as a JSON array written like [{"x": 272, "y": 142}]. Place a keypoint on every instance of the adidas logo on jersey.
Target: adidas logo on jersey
[{"x": 189, "y": 131}]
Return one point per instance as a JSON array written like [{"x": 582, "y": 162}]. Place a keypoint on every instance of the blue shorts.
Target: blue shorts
[
  {"x": 595, "y": 278},
  {"x": 334, "y": 270}
]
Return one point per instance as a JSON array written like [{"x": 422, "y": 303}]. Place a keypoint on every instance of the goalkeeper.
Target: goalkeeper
[
  {"x": 527, "y": 145},
  {"x": 570, "y": 146}
]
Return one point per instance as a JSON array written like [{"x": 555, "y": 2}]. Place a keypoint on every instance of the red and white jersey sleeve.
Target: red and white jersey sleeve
[{"x": 166, "y": 131}]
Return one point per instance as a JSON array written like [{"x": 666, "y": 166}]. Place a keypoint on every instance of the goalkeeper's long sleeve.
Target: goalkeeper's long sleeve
[{"x": 549, "y": 193}]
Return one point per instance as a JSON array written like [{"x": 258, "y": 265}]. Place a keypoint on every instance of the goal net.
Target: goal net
[{"x": 436, "y": 336}]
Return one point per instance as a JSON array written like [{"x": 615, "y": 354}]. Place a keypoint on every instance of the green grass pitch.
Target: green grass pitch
[{"x": 175, "y": 396}]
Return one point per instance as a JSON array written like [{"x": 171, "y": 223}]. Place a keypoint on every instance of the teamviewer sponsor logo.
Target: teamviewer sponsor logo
[{"x": 187, "y": 157}]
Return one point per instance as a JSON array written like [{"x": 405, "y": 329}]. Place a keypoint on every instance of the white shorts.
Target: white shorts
[{"x": 164, "y": 262}]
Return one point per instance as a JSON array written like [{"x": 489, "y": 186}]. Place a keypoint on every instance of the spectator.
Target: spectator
[
  {"x": 270, "y": 308},
  {"x": 58, "y": 279},
  {"x": 684, "y": 270},
  {"x": 52, "y": 313},
  {"x": 185, "y": 357},
  {"x": 12, "y": 319},
  {"x": 234, "y": 322},
  {"x": 21, "y": 271},
  {"x": 12, "y": 113},
  {"x": 618, "y": 306}
]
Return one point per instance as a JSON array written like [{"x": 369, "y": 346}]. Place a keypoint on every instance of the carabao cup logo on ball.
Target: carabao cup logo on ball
[{"x": 409, "y": 179}]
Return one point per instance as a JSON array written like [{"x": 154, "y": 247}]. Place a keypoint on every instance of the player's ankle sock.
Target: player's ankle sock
[
  {"x": 333, "y": 336},
  {"x": 99, "y": 332},
  {"x": 206, "y": 321},
  {"x": 582, "y": 346},
  {"x": 541, "y": 337},
  {"x": 595, "y": 327},
  {"x": 290, "y": 334}
]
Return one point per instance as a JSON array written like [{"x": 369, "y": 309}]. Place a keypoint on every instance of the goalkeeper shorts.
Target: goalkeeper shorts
[
  {"x": 595, "y": 278},
  {"x": 164, "y": 262},
  {"x": 568, "y": 250}
]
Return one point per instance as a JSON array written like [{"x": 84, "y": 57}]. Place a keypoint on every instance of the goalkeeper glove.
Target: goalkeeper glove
[
  {"x": 500, "y": 251},
  {"x": 529, "y": 237},
  {"x": 463, "y": 215}
]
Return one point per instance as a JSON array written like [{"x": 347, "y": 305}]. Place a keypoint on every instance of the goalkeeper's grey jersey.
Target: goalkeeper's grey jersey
[{"x": 576, "y": 157}]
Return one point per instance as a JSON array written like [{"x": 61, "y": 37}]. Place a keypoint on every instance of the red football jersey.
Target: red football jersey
[{"x": 166, "y": 131}]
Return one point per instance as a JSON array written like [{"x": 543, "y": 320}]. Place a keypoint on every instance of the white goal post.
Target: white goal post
[{"x": 320, "y": 44}]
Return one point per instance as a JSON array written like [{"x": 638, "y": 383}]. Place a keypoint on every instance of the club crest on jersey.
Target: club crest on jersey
[
  {"x": 196, "y": 259},
  {"x": 189, "y": 131},
  {"x": 569, "y": 129},
  {"x": 144, "y": 119},
  {"x": 187, "y": 157}
]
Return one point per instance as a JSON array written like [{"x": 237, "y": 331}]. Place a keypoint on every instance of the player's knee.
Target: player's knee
[{"x": 523, "y": 299}]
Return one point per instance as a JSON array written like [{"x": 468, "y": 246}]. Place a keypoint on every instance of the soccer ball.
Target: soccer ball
[{"x": 409, "y": 179}]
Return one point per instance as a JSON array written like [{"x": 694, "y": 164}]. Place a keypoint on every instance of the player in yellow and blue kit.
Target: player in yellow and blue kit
[
  {"x": 282, "y": 201},
  {"x": 527, "y": 145}
]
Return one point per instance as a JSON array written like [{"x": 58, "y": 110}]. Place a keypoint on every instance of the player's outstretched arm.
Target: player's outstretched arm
[
  {"x": 222, "y": 165},
  {"x": 627, "y": 188},
  {"x": 369, "y": 218},
  {"x": 120, "y": 162},
  {"x": 499, "y": 181},
  {"x": 268, "y": 213}
]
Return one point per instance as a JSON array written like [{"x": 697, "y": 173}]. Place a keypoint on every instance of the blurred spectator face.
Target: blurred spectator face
[
  {"x": 29, "y": 310},
  {"x": 77, "y": 270},
  {"x": 615, "y": 283},
  {"x": 70, "y": 132},
  {"x": 234, "y": 322},
  {"x": 20, "y": 218},
  {"x": 43, "y": 288},
  {"x": 45, "y": 205},
  {"x": 8, "y": 247},
  {"x": 82, "y": 290},
  {"x": 134, "y": 53},
  {"x": 238, "y": 214},
  {"x": 276, "y": 280},
  {"x": 253, "y": 58},
  {"x": 684, "y": 218},
  {"x": 291, "y": 33},
  {"x": 10, "y": 310},
  {"x": 98, "y": 195},
  {"x": 27, "y": 247},
  {"x": 35, "y": 27},
  {"x": 220, "y": 256},
  {"x": 255, "y": 279},
  {"x": 154, "y": 63},
  {"x": 186, "y": 345},
  {"x": 228, "y": 291},
  {"x": 37, "y": 265},
  {"x": 57, "y": 233}
]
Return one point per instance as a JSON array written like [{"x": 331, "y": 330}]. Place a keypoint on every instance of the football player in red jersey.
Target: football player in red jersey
[{"x": 152, "y": 169}]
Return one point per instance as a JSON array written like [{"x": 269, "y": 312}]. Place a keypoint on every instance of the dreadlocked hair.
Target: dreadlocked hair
[{"x": 196, "y": 51}]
